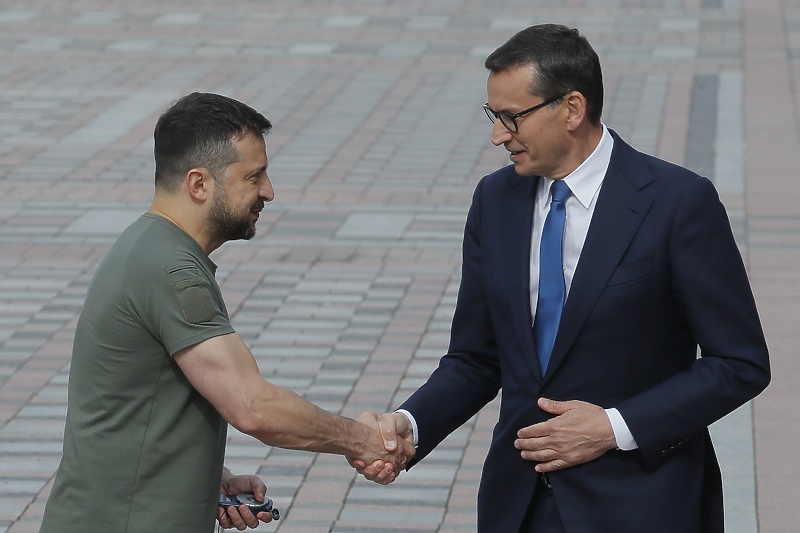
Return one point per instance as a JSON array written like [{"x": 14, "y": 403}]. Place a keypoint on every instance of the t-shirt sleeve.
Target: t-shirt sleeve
[{"x": 183, "y": 306}]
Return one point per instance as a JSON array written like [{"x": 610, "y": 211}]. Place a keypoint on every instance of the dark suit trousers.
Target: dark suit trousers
[{"x": 542, "y": 515}]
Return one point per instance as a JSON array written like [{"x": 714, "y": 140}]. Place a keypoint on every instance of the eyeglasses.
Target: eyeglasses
[{"x": 510, "y": 120}]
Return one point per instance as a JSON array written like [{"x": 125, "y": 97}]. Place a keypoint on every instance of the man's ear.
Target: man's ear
[
  {"x": 576, "y": 110},
  {"x": 199, "y": 184}
]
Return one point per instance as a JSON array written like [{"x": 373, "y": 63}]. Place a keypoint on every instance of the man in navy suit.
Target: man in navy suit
[{"x": 607, "y": 431}]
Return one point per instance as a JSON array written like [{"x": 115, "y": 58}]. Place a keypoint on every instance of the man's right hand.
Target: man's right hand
[{"x": 397, "y": 434}]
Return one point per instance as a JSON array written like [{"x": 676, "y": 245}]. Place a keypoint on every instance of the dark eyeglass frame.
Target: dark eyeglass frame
[{"x": 509, "y": 120}]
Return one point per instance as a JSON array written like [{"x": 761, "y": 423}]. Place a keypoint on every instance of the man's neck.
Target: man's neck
[{"x": 170, "y": 209}]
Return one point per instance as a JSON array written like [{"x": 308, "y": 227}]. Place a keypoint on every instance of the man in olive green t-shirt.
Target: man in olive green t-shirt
[{"x": 158, "y": 372}]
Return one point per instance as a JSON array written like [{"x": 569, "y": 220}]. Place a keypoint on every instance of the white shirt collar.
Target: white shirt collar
[{"x": 584, "y": 181}]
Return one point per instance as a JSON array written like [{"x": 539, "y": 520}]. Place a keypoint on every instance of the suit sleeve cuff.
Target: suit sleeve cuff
[
  {"x": 622, "y": 434},
  {"x": 413, "y": 424}
]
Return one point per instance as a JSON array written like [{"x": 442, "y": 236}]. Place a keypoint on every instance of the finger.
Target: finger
[
  {"x": 535, "y": 431},
  {"x": 388, "y": 428},
  {"x": 540, "y": 456},
  {"x": 372, "y": 471},
  {"x": 383, "y": 475},
  {"x": 356, "y": 463},
  {"x": 407, "y": 449},
  {"x": 531, "y": 445},
  {"x": 223, "y": 519},
  {"x": 265, "y": 517},
  {"x": 376, "y": 468},
  {"x": 259, "y": 489},
  {"x": 234, "y": 518},
  {"x": 552, "y": 466},
  {"x": 248, "y": 518},
  {"x": 386, "y": 475}
]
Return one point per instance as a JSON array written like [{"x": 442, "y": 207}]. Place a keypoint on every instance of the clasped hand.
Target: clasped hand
[
  {"x": 398, "y": 439},
  {"x": 580, "y": 432}
]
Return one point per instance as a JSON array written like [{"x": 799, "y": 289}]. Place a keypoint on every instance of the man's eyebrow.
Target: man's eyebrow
[
  {"x": 256, "y": 170},
  {"x": 504, "y": 110}
]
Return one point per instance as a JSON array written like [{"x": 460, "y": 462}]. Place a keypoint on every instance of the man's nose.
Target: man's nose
[
  {"x": 500, "y": 133},
  {"x": 267, "y": 192}
]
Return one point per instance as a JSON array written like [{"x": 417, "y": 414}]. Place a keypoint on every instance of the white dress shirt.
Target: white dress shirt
[{"x": 584, "y": 182}]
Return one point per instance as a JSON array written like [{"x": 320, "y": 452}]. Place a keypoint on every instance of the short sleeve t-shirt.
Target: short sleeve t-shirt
[{"x": 143, "y": 450}]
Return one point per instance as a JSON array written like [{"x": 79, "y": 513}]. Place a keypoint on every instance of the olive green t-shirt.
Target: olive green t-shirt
[{"x": 143, "y": 450}]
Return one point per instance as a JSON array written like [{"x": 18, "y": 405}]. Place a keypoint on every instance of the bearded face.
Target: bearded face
[
  {"x": 233, "y": 222},
  {"x": 238, "y": 195}
]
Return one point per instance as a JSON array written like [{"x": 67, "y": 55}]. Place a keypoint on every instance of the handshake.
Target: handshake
[{"x": 391, "y": 447}]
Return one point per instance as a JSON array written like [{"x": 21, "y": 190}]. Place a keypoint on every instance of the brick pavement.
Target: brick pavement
[{"x": 347, "y": 291}]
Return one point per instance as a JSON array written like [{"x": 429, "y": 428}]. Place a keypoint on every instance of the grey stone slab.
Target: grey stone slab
[
  {"x": 397, "y": 514},
  {"x": 308, "y": 324},
  {"x": 702, "y": 125},
  {"x": 38, "y": 466},
  {"x": 95, "y": 18},
  {"x": 374, "y": 226},
  {"x": 43, "y": 44},
  {"x": 119, "y": 118},
  {"x": 10, "y": 487},
  {"x": 509, "y": 24},
  {"x": 683, "y": 25},
  {"x": 427, "y": 22},
  {"x": 132, "y": 45},
  {"x": 345, "y": 21},
  {"x": 412, "y": 495},
  {"x": 311, "y": 49},
  {"x": 733, "y": 439},
  {"x": 178, "y": 19},
  {"x": 729, "y": 147},
  {"x": 43, "y": 411},
  {"x": 108, "y": 222},
  {"x": 674, "y": 52},
  {"x": 18, "y": 16},
  {"x": 402, "y": 50}
]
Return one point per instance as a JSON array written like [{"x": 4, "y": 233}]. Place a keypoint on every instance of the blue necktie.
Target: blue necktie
[{"x": 551, "y": 275}]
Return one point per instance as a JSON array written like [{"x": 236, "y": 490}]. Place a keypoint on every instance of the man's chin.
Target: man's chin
[{"x": 245, "y": 234}]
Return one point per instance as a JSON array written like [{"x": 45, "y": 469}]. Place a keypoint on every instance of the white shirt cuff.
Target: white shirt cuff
[
  {"x": 622, "y": 434},
  {"x": 413, "y": 424}
]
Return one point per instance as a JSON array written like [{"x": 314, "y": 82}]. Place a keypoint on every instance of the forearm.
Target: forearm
[{"x": 279, "y": 417}]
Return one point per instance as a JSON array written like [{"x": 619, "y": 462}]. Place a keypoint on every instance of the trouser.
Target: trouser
[{"x": 542, "y": 515}]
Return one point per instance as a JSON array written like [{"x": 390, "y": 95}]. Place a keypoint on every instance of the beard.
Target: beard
[{"x": 227, "y": 224}]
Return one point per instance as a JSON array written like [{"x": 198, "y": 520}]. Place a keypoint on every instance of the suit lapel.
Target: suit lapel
[
  {"x": 621, "y": 208},
  {"x": 517, "y": 212}
]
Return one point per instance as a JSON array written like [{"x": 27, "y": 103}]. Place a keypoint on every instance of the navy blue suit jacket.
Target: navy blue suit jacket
[{"x": 658, "y": 276}]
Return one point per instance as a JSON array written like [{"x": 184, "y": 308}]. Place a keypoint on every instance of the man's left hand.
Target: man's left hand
[
  {"x": 580, "y": 432},
  {"x": 241, "y": 517}
]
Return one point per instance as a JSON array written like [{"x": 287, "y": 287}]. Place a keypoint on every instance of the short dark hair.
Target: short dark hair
[
  {"x": 198, "y": 131},
  {"x": 562, "y": 61}
]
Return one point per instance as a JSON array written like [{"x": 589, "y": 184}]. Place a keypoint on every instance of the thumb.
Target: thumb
[
  {"x": 388, "y": 428},
  {"x": 552, "y": 406}
]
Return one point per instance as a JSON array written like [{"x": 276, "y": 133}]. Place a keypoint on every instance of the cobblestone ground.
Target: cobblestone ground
[{"x": 347, "y": 292}]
